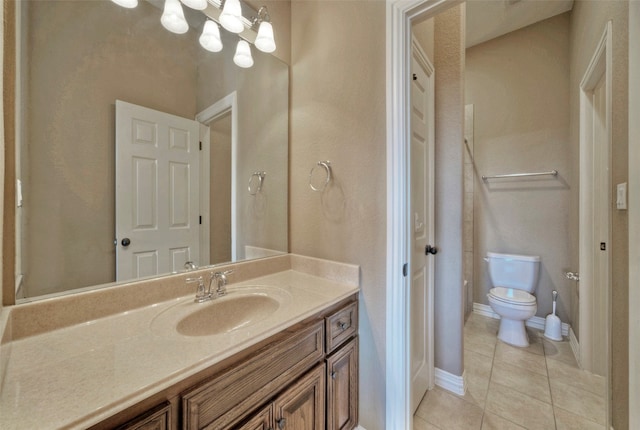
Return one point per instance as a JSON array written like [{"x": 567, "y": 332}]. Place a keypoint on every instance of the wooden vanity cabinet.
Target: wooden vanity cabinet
[
  {"x": 342, "y": 387},
  {"x": 299, "y": 407},
  {"x": 303, "y": 378}
]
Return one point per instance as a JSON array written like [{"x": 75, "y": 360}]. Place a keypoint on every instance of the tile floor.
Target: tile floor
[{"x": 539, "y": 387}]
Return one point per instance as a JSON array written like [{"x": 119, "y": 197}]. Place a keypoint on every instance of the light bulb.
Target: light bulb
[
  {"x": 173, "y": 17},
  {"x": 129, "y": 4},
  {"x": 242, "y": 57},
  {"x": 195, "y": 4},
  {"x": 264, "y": 40},
  {"x": 210, "y": 38},
  {"x": 230, "y": 16}
]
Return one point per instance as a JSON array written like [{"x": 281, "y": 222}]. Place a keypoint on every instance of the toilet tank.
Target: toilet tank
[{"x": 514, "y": 271}]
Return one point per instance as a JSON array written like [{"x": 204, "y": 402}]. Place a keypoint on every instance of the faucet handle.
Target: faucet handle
[
  {"x": 201, "y": 293},
  {"x": 222, "y": 281}
]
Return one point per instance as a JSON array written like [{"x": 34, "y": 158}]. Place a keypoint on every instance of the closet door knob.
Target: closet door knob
[{"x": 126, "y": 241}]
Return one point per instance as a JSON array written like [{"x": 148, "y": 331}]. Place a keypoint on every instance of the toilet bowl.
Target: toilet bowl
[
  {"x": 514, "y": 278},
  {"x": 513, "y": 311}
]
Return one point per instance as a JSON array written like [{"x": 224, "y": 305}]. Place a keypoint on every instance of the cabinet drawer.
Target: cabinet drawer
[
  {"x": 341, "y": 325},
  {"x": 157, "y": 419},
  {"x": 230, "y": 397}
]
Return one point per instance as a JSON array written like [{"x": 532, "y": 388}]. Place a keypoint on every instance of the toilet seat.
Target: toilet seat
[{"x": 512, "y": 296}]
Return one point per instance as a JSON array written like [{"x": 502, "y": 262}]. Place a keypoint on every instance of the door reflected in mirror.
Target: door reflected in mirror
[{"x": 74, "y": 60}]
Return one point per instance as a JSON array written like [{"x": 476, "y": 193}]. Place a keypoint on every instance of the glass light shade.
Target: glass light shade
[
  {"x": 129, "y": 4},
  {"x": 230, "y": 16},
  {"x": 173, "y": 17},
  {"x": 210, "y": 37},
  {"x": 195, "y": 4},
  {"x": 242, "y": 57},
  {"x": 264, "y": 40}
]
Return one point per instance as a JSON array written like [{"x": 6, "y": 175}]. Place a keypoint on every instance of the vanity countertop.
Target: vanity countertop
[{"x": 77, "y": 376}]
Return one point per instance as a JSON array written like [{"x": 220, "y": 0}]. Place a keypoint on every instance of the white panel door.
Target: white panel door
[
  {"x": 157, "y": 192},
  {"x": 422, "y": 222}
]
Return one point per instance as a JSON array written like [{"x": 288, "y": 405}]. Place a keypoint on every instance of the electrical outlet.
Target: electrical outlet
[{"x": 621, "y": 196}]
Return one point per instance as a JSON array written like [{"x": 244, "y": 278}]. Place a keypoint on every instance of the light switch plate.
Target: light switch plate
[{"x": 621, "y": 196}]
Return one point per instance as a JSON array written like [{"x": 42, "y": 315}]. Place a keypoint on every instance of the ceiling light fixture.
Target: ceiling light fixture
[
  {"x": 228, "y": 13},
  {"x": 210, "y": 38},
  {"x": 242, "y": 57},
  {"x": 173, "y": 17},
  {"x": 231, "y": 16},
  {"x": 265, "y": 40}
]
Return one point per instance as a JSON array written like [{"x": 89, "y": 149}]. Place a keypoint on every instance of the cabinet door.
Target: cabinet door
[
  {"x": 342, "y": 388},
  {"x": 262, "y": 420},
  {"x": 301, "y": 406}
]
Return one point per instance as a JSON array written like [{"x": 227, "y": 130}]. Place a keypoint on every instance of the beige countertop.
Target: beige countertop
[{"x": 76, "y": 376}]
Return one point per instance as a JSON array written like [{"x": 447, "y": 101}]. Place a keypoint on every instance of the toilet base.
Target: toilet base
[{"x": 513, "y": 332}]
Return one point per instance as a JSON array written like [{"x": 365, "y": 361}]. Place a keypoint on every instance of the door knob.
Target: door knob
[
  {"x": 430, "y": 250},
  {"x": 126, "y": 241}
]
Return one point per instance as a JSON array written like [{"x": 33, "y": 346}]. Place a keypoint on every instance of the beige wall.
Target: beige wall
[
  {"x": 634, "y": 213},
  {"x": 449, "y": 158},
  {"x": 338, "y": 114},
  {"x": 518, "y": 84},
  {"x": 4, "y": 269},
  {"x": 588, "y": 21}
]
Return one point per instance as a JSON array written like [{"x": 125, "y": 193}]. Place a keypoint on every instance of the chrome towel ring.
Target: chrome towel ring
[
  {"x": 255, "y": 182},
  {"x": 326, "y": 165}
]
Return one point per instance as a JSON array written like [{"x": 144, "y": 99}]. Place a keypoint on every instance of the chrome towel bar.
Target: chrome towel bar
[{"x": 520, "y": 175}]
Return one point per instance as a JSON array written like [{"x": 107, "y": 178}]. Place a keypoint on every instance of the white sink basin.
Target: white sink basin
[{"x": 242, "y": 307}]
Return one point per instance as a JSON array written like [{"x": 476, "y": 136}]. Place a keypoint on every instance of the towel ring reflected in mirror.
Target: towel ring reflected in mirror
[
  {"x": 326, "y": 165},
  {"x": 256, "y": 180}
]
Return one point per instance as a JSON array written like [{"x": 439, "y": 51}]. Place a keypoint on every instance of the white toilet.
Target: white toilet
[{"x": 514, "y": 278}]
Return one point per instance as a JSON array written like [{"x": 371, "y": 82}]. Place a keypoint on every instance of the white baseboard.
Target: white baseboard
[
  {"x": 450, "y": 382},
  {"x": 575, "y": 346},
  {"x": 533, "y": 322}
]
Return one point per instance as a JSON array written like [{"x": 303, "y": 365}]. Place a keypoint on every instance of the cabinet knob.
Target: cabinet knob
[
  {"x": 333, "y": 375},
  {"x": 281, "y": 423},
  {"x": 342, "y": 325}
]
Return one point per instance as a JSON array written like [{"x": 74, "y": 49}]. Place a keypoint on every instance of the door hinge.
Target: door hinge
[
  {"x": 200, "y": 145},
  {"x": 200, "y": 219},
  {"x": 405, "y": 268}
]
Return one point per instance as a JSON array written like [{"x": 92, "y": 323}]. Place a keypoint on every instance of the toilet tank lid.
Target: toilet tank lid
[{"x": 513, "y": 256}]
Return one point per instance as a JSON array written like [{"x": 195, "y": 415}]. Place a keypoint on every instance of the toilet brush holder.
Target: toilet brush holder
[{"x": 553, "y": 325}]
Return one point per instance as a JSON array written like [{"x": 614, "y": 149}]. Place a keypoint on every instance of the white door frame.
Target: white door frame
[
  {"x": 399, "y": 16},
  {"x": 216, "y": 110},
  {"x": 599, "y": 67}
]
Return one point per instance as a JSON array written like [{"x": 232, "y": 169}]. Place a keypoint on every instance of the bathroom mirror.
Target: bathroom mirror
[{"x": 74, "y": 60}]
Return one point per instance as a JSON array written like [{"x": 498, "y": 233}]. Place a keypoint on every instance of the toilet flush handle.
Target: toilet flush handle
[{"x": 574, "y": 276}]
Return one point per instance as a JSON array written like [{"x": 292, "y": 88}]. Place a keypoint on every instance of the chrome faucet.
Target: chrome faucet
[
  {"x": 205, "y": 294},
  {"x": 221, "y": 282},
  {"x": 202, "y": 294}
]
